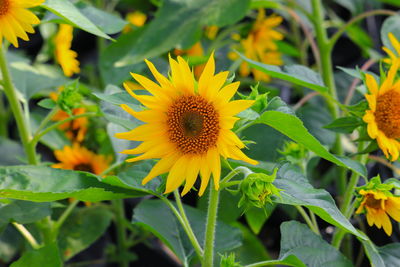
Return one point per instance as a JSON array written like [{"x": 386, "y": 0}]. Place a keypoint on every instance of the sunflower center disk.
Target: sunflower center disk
[
  {"x": 372, "y": 202},
  {"x": 193, "y": 124},
  {"x": 83, "y": 167},
  {"x": 388, "y": 114},
  {"x": 4, "y": 6}
]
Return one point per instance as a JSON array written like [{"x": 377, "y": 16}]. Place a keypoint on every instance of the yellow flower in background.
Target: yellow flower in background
[
  {"x": 197, "y": 51},
  {"x": 79, "y": 158},
  {"x": 187, "y": 125},
  {"x": 64, "y": 55},
  {"x": 136, "y": 18},
  {"x": 260, "y": 45},
  {"x": 211, "y": 32},
  {"x": 377, "y": 206},
  {"x": 76, "y": 129},
  {"x": 383, "y": 117},
  {"x": 16, "y": 20},
  {"x": 396, "y": 45}
]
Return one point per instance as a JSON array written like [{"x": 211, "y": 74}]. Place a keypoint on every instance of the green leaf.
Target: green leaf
[
  {"x": 257, "y": 217},
  {"x": 297, "y": 239},
  {"x": 66, "y": 10},
  {"x": 293, "y": 127},
  {"x": 10, "y": 243},
  {"x": 47, "y": 103},
  {"x": 43, "y": 184},
  {"x": 372, "y": 253},
  {"x": 82, "y": 228},
  {"x": 298, "y": 191},
  {"x": 390, "y": 254},
  {"x": 296, "y": 74},
  {"x": 24, "y": 212},
  {"x": 13, "y": 150},
  {"x": 108, "y": 23},
  {"x": 252, "y": 249},
  {"x": 47, "y": 256},
  {"x": 166, "y": 30},
  {"x": 344, "y": 125},
  {"x": 169, "y": 230}
]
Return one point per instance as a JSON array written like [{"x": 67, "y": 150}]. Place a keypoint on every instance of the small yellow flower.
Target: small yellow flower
[
  {"x": 76, "y": 129},
  {"x": 136, "y": 18},
  {"x": 211, "y": 32},
  {"x": 16, "y": 20},
  {"x": 260, "y": 45},
  {"x": 383, "y": 117},
  {"x": 195, "y": 50},
  {"x": 377, "y": 206},
  {"x": 79, "y": 158},
  {"x": 187, "y": 125},
  {"x": 64, "y": 55}
]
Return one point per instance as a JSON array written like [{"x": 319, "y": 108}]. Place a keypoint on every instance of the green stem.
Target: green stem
[
  {"x": 328, "y": 77},
  {"x": 186, "y": 228},
  {"x": 16, "y": 108},
  {"x": 307, "y": 220},
  {"x": 357, "y": 18},
  {"x": 210, "y": 228},
  {"x": 121, "y": 233},
  {"x": 57, "y": 225},
  {"x": 241, "y": 169},
  {"x": 27, "y": 235},
  {"x": 196, "y": 244},
  {"x": 346, "y": 207},
  {"x": 39, "y": 135},
  {"x": 46, "y": 119},
  {"x": 268, "y": 263},
  {"x": 3, "y": 118}
]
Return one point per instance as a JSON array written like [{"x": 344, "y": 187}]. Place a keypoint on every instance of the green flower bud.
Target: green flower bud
[
  {"x": 229, "y": 261},
  {"x": 70, "y": 97},
  {"x": 257, "y": 189}
]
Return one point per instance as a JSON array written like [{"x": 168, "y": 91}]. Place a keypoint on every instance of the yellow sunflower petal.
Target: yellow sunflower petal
[
  {"x": 162, "y": 166},
  {"x": 192, "y": 173},
  {"x": 177, "y": 174},
  {"x": 395, "y": 43},
  {"x": 207, "y": 74},
  {"x": 205, "y": 173},
  {"x": 390, "y": 77},
  {"x": 234, "y": 107}
]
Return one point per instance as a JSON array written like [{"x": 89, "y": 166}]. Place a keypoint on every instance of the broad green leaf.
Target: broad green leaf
[
  {"x": 24, "y": 212},
  {"x": 391, "y": 24},
  {"x": 390, "y": 254},
  {"x": 10, "y": 242},
  {"x": 169, "y": 230},
  {"x": 166, "y": 30},
  {"x": 30, "y": 79},
  {"x": 297, "y": 239},
  {"x": 293, "y": 127},
  {"x": 295, "y": 74},
  {"x": 252, "y": 249},
  {"x": 66, "y": 10},
  {"x": 13, "y": 150},
  {"x": 256, "y": 217},
  {"x": 372, "y": 253},
  {"x": 108, "y": 23},
  {"x": 82, "y": 228},
  {"x": 47, "y": 256},
  {"x": 44, "y": 184},
  {"x": 298, "y": 191},
  {"x": 344, "y": 124}
]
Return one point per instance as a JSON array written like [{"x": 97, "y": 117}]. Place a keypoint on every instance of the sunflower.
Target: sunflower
[
  {"x": 188, "y": 125},
  {"x": 136, "y": 18},
  {"x": 377, "y": 206},
  {"x": 16, "y": 20},
  {"x": 63, "y": 53},
  {"x": 396, "y": 45},
  {"x": 195, "y": 51},
  {"x": 260, "y": 45},
  {"x": 79, "y": 158},
  {"x": 76, "y": 129},
  {"x": 383, "y": 117}
]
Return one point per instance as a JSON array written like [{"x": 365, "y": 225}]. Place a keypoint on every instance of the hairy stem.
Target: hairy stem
[
  {"x": 210, "y": 228},
  {"x": 27, "y": 235},
  {"x": 16, "y": 109}
]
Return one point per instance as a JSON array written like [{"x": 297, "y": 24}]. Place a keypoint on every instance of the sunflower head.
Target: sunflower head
[
  {"x": 383, "y": 115},
  {"x": 79, "y": 158},
  {"x": 187, "y": 124},
  {"x": 16, "y": 20},
  {"x": 63, "y": 53},
  {"x": 377, "y": 203}
]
